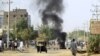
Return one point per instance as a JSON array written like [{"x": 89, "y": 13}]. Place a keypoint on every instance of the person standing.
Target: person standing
[
  {"x": 21, "y": 46},
  {"x": 73, "y": 47},
  {"x": 1, "y": 45},
  {"x": 11, "y": 44},
  {"x": 15, "y": 45}
]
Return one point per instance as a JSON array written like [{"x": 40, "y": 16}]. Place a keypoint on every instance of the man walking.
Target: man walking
[{"x": 73, "y": 47}]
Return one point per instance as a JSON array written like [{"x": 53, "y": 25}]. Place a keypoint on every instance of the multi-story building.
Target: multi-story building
[
  {"x": 15, "y": 15},
  {"x": 1, "y": 19}
]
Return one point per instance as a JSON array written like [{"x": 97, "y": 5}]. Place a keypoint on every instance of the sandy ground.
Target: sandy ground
[
  {"x": 50, "y": 53},
  {"x": 33, "y": 52}
]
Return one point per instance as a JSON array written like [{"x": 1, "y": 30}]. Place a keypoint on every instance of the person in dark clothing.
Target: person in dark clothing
[
  {"x": 11, "y": 45},
  {"x": 41, "y": 46},
  {"x": 15, "y": 45}
]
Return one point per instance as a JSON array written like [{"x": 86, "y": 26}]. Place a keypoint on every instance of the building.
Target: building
[
  {"x": 95, "y": 26},
  {"x": 1, "y": 19},
  {"x": 29, "y": 20},
  {"x": 15, "y": 15}
]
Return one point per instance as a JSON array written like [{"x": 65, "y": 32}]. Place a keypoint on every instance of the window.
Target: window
[
  {"x": 14, "y": 15},
  {"x": 21, "y": 15},
  {"x": 6, "y": 15},
  {"x": 25, "y": 15}
]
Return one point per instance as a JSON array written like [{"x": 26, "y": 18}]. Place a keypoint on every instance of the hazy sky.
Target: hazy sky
[{"x": 76, "y": 12}]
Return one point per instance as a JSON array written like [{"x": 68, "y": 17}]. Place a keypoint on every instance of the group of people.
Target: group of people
[
  {"x": 73, "y": 46},
  {"x": 53, "y": 44},
  {"x": 16, "y": 45},
  {"x": 13, "y": 45}
]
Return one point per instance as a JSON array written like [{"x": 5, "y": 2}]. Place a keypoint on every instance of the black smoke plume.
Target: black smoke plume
[
  {"x": 52, "y": 5},
  {"x": 51, "y": 11}
]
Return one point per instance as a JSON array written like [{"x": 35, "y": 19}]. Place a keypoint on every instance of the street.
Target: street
[{"x": 33, "y": 52}]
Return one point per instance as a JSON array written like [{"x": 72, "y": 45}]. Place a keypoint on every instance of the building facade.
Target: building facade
[
  {"x": 15, "y": 15},
  {"x": 94, "y": 26},
  {"x": 1, "y": 19}
]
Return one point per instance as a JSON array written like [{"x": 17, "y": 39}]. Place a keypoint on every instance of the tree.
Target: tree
[
  {"x": 78, "y": 34},
  {"x": 93, "y": 44},
  {"x": 22, "y": 30},
  {"x": 46, "y": 30}
]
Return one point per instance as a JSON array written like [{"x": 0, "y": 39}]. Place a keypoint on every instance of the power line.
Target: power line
[{"x": 97, "y": 11}]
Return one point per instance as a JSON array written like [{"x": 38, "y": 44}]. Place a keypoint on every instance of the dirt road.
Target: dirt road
[{"x": 33, "y": 52}]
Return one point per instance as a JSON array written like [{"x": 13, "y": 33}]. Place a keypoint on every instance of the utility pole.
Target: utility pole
[
  {"x": 87, "y": 31},
  {"x": 77, "y": 32},
  {"x": 8, "y": 30},
  {"x": 76, "y": 35},
  {"x": 84, "y": 33},
  {"x": 15, "y": 24},
  {"x": 97, "y": 11},
  {"x": 8, "y": 26}
]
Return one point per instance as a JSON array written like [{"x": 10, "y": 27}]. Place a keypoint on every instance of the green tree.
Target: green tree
[
  {"x": 78, "y": 34},
  {"x": 22, "y": 30},
  {"x": 45, "y": 29},
  {"x": 93, "y": 44}
]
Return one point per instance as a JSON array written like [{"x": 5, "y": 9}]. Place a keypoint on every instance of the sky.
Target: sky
[{"x": 76, "y": 13}]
